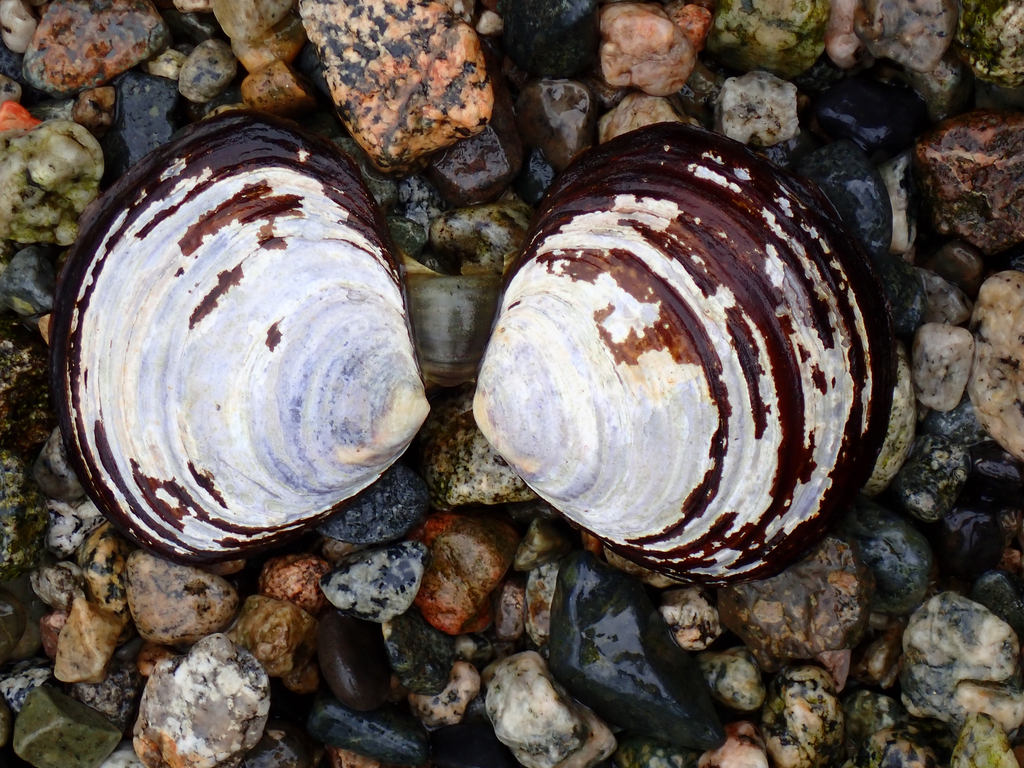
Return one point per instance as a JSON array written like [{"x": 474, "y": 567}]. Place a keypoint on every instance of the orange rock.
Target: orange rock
[
  {"x": 279, "y": 90},
  {"x": 694, "y": 20},
  {"x": 13, "y": 116},
  {"x": 295, "y": 579},
  {"x": 151, "y": 654}
]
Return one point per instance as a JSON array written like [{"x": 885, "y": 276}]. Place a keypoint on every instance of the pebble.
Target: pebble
[
  {"x": 960, "y": 263},
  {"x": 480, "y": 238},
  {"x": 17, "y": 24},
  {"x": 167, "y": 64},
  {"x": 643, "y": 48},
  {"x": 280, "y": 635},
  {"x": 420, "y": 655},
  {"x": 282, "y": 42},
  {"x": 757, "y": 108},
  {"x": 449, "y": 706},
  {"x": 995, "y": 474},
  {"x": 550, "y": 39},
  {"x": 900, "y": 747},
  {"x": 70, "y": 524},
  {"x": 12, "y": 624},
  {"x": 510, "y": 610},
  {"x": 385, "y": 511},
  {"x": 614, "y": 653},
  {"x": 469, "y": 745},
  {"x": 295, "y": 578},
  {"x": 278, "y": 89},
  {"x": 123, "y": 757},
  {"x": 999, "y": 352},
  {"x": 23, "y": 518},
  {"x": 733, "y": 678},
  {"x": 988, "y": 38},
  {"x": 865, "y": 712},
  {"x": 353, "y": 660},
  {"x": 959, "y": 658},
  {"x": 23, "y": 678},
  {"x": 796, "y": 39},
  {"x": 871, "y": 114},
  {"x": 203, "y": 709},
  {"x": 533, "y": 716},
  {"x": 743, "y": 748},
  {"x": 49, "y": 631},
  {"x": 28, "y": 282},
  {"x": 387, "y": 734},
  {"x": 86, "y": 643},
  {"x": 53, "y": 473},
  {"x": 48, "y": 175},
  {"x": 469, "y": 557},
  {"x": 647, "y": 752},
  {"x": 455, "y": 101},
  {"x": 693, "y": 620},
  {"x": 947, "y": 90},
  {"x": 946, "y": 303},
  {"x": 55, "y": 731},
  {"x": 634, "y": 112},
  {"x": 959, "y": 425},
  {"x": 474, "y": 648},
  {"x": 913, "y": 34},
  {"x": 26, "y": 419},
  {"x": 542, "y": 543},
  {"x": 116, "y": 697},
  {"x": 6, "y": 723},
  {"x": 10, "y": 89},
  {"x": 379, "y": 584},
  {"x": 191, "y": 28},
  {"x": 942, "y": 358},
  {"x": 966, "y": 167},
  {"x": 899, "y": 182},
  {"x": 145, "y": 117},
  {"x": 928, "y": 484},
  {"x": 969, "y": 540},
  {"x": 558, "y": 117},
  {"x": 982, "y": 744},
  {"x": 177, "y": 604},
  {"x": 248, "y": 19},
  {"x": 802, "y": 720},
  {"x": 842, "y": 46},
  {"x": 207, "y": 71},
  {"x": 540, "y": 592},
  {"x": 103, "y": 559},
  {"x": 819, "y": 604},
  {"x": 283, "y": 745},
  {"x": 410, "y": 239}
]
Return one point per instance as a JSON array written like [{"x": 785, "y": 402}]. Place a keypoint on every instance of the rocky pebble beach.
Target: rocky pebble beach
[{"x": 447, "y": 616}]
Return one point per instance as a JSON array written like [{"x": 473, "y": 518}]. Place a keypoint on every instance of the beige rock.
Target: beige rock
[
  {"x": 280, "y": 635},
  {"x": 278, "y": 89},
  {"x": 246, "y": 19},
  {"x": 448, "y": 706},
  {"x": 151, "y": 654},
  {"x": 635, "y": 111},
  {"x": 693, "y": 620},
  {"x": 168, "y": 64},
  {"x": 641, "y": 46},
  {"x": 17, "y": 24},
  {"x": 103, "y": 560},
  {"x": 86, "y": 643},
  {"x": 490, "y": 24},
  {"x": 942, "y": 358},
  {"x": 193, "y": 6},
  {"x": 758, "y": 108},
  {"x": 945, "y": 302},
  {"x": 540, "y": 592},
  {"x": 281, "y": 42},
  {"x": 841, "y": 42}
]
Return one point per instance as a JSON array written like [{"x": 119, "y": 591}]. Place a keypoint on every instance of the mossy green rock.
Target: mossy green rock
[
  {"x": 612, "y": 650},
  {"x": 784, "y": 38},
  {"x": 990, "y": 37},
  {"x": 982, "y": 744},
  {"x": 23, "y": 519},
  {"x": 26, "y": 412},
  {"x": 55, "y": 731},
  {"x": 648, "y": 752}
]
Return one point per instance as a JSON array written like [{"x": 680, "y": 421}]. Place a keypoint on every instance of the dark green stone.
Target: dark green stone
[
  {"x": 420, "y": 655},
  {"x": 12, "y": 624},
  {"x": 648, "y": 752},
  {"x": 55, "y": 731},
  {"x": 612, "y": 650},
  {"x": 26, "y": 413},
  {"x": 387, "y": 734},
  {"x": 551, "y": 38},
  {"x": 409, "y": 236},
  {"x": 930, "y": 480},
  {"x": 959, "y": 425},
  {"x": 899, "y": 747},
  {"x": 23, "y": 519},
  {"x": 1002, "y": 593},
  {"x": 896, "y": 552}
]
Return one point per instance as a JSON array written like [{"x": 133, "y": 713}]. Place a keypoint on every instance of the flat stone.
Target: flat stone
[
  {"x": 988, "y": 38},
  {"x": 420, "y": 655},
  {"x": 280, "y": 635},
  {"x": 173, "y": 603},
  {"x": 84, "y": 43},
  {"x": 642, "y": 47},
  {"x": 424, "y": 51},
  {"x": 205, "y": 709},
  {"x": 913, "y": 34},
  {"x": 449, "y": 706},
  {"x": 378, "y": 584},
  {"x": 733, "y": 678},
  {"x": 23, "y": 516},
  {"x": 387, "y": 734},
  {"x": 385, "y": 511},
  {"x": 86, "y": 643},
  {"x": 802, "y": 720},
  {"x": 353, "y": 661},
  {"x": 784, "y": 38},
  {"x": 55, "y": 731},
  {"x": 758, "y": 108}
]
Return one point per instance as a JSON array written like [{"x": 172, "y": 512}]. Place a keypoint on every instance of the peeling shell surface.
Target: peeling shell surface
[
  {"x": 232, "y": 357},
  {"x": 709, "y": 355}
]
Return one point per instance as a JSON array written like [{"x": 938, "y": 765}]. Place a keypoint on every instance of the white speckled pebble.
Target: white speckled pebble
[
  {"x": 378, "y": 584},
  {"x": 448, "y": 706},
  {"x": 123, "y": 757},
  {"x": 70, "y": 524},
  {"x": 942, "y": 364},
  {"x": 944, "y": 302},
  {"x": 693, "y": 620},
  {"x": 758, "y": 108}
]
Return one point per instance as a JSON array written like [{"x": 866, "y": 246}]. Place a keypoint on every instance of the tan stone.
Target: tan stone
[
  {"x": 635, "y": 111},
  {"x": 281, "y": 42},
  {"x": 295, "y": 579},
  {"x": 151, "y": 654},
  {"x": 281, "y": 635},
  {"x": 279, "y": 90},
  {"x": 86, "y": 643},
  {"x": 641, "y": 46}
]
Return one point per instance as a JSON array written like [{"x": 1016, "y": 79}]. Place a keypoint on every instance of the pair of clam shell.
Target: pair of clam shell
[{"x": 690, "y": 360}]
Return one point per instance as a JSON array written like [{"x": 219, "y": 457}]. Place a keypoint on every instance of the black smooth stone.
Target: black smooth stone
[
  {"x": 551, "y": 38},
  {"x": 144, "y": 119},
  {"x": 995, "y": 473},
  {"x": 420, "y": 655},
  {"x": 388, "y": 734},
  {"x": 871, "y": 114},
  {"x": 469, "y": 745},
  {"x": 385, "y": 511},
  {"x": 1002, "y": 593},
  {"x": 353, "y": 661},
  {"x": 969, "y": 540},
  {"x": 534, "y": 179},
  {"x": 610, "y": 647}
]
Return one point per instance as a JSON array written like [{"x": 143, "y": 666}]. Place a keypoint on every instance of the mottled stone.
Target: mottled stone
[
  {"x": 534, "y": 716},
  {"x": 49, "y": 631},
  {"x": 204, "y": 709},
  {"x": 946, "y": 303},
  {"x": 930, "y": 481},
  {"x": 963, "y": 201},
  {"x": 385, "y": 511},
  {"x": 982, "y": 744},
  {"x": 116, "y": 697},
  {"x": 480, "y": 238},
  {"x": 296, "y": 579},
  {"x": 145, "y": 117},
  {"x": 87, "y": 642},
  {"x": 168, "y": 64},
  {"x": 53, "y": 473},
  {"x": 83, "y": 43},
  {"x": 899, "y": 437},
  {"x": 449, "y": 706},
  {"x": 1002, "y": 593},
  {"x": 903, "y": 746},
  {"x": 559, "y": 117},
  {"x": 247, "y": 19},
  {"x": 947, "y": 90},
  {"x": 280, "y": 635},
  {"x": 642, "y": 47},
  {"x": 23, "y": 678},
  {"x": 913, "y": 34},
  {"x": 283, "y": 745},
  {"x": 103, "y": 558},
  {"x": 174, "y": 603},
  {"x": 693, "y": 620},
  {"x": 613, "y": 651},
  {"x": 353, "y": 660},
  {"x": 282, "y": 42},
  {"x": 278, "y": 89},
  {"x": 207, "y": 71},
  {"x": 647, "y": 752},
  {"x": 743, "y": 748},
  {"x": 420, "y": 655},
  {"x": 635, "y": 111},
  {"x": 995, "y": 386},
  {"x": 758, "y": 108},
  {"x": 897, "y": 174},
  {"x": 942, "y": 358},
  {"x": 550, "y": 39},
  {"x": 802, "y": 720},
  {"x": 540, "y": 592},
  {"x": 378, "y": 584},
  {"x": 866, "y": 712},
  {"x": 48, "y": 175},
  {"x": 733, "y": 678},
  {"x": 959, "y": 659},
  {"x": 55, "y": 731},
  {"x": 819, "y": 604},
  {"x": 469, "y": 558},
  {"x": 433, "y": 57},
  {"x": 784, "y": 38},
  {"x": 70, "y": 524},
  {"x": 22, "y": 517},
  {"x": 28, "y": 282},
  {"x": 510, "y": 610},
  {"x": 988, "y": 37}
]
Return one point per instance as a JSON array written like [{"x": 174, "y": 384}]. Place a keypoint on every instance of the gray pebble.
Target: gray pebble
[
  {"x": 51, "y": 470},
  {"x": 207, "y": 71},
  {"x": 378, "y": 584},
  {"x": 385, "y": 511},
  {"x": 28, "y": 283}
]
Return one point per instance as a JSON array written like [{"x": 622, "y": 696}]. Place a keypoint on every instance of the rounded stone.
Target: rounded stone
[
  {"x": 802, "y": 719},
  {"x": 207, "y": 71},
  {"x": 377, "y": 585},
  {"x": 930, "y": 481},
  {"x": 353, "y": 660}
]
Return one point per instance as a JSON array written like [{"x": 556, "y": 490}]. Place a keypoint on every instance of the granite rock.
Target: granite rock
[
  {"x": 757, "y": 108},
  {"x": 743, "y": 748},
  {"x": 643, "y": 48},
  {"x": 280, "y": 635},
  {"x": 932, "y": 478},
  {"x": 783, "y": 38},
  {"x": 913, "y": 34},
  {"x": 693, "y": 620},
  {"x": 385, "y": 511},
  {"x": 53, "y": 473},
  {"x": 733, "y": 678},
  {"x": 988, "y": 38},
  {"x": 802, "y": 720},
  {"x": 379, "y": 584},
  {"x": 295, "y": 578},
  {"x": 449, "y": 706}
]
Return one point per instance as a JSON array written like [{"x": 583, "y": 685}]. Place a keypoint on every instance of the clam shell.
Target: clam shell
[
  {"x": 692, "y": 360},
  {"x": 231, "y": 353}
]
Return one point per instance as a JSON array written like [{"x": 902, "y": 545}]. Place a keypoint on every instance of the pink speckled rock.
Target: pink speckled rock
[{"x": 295, "y": 579}]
